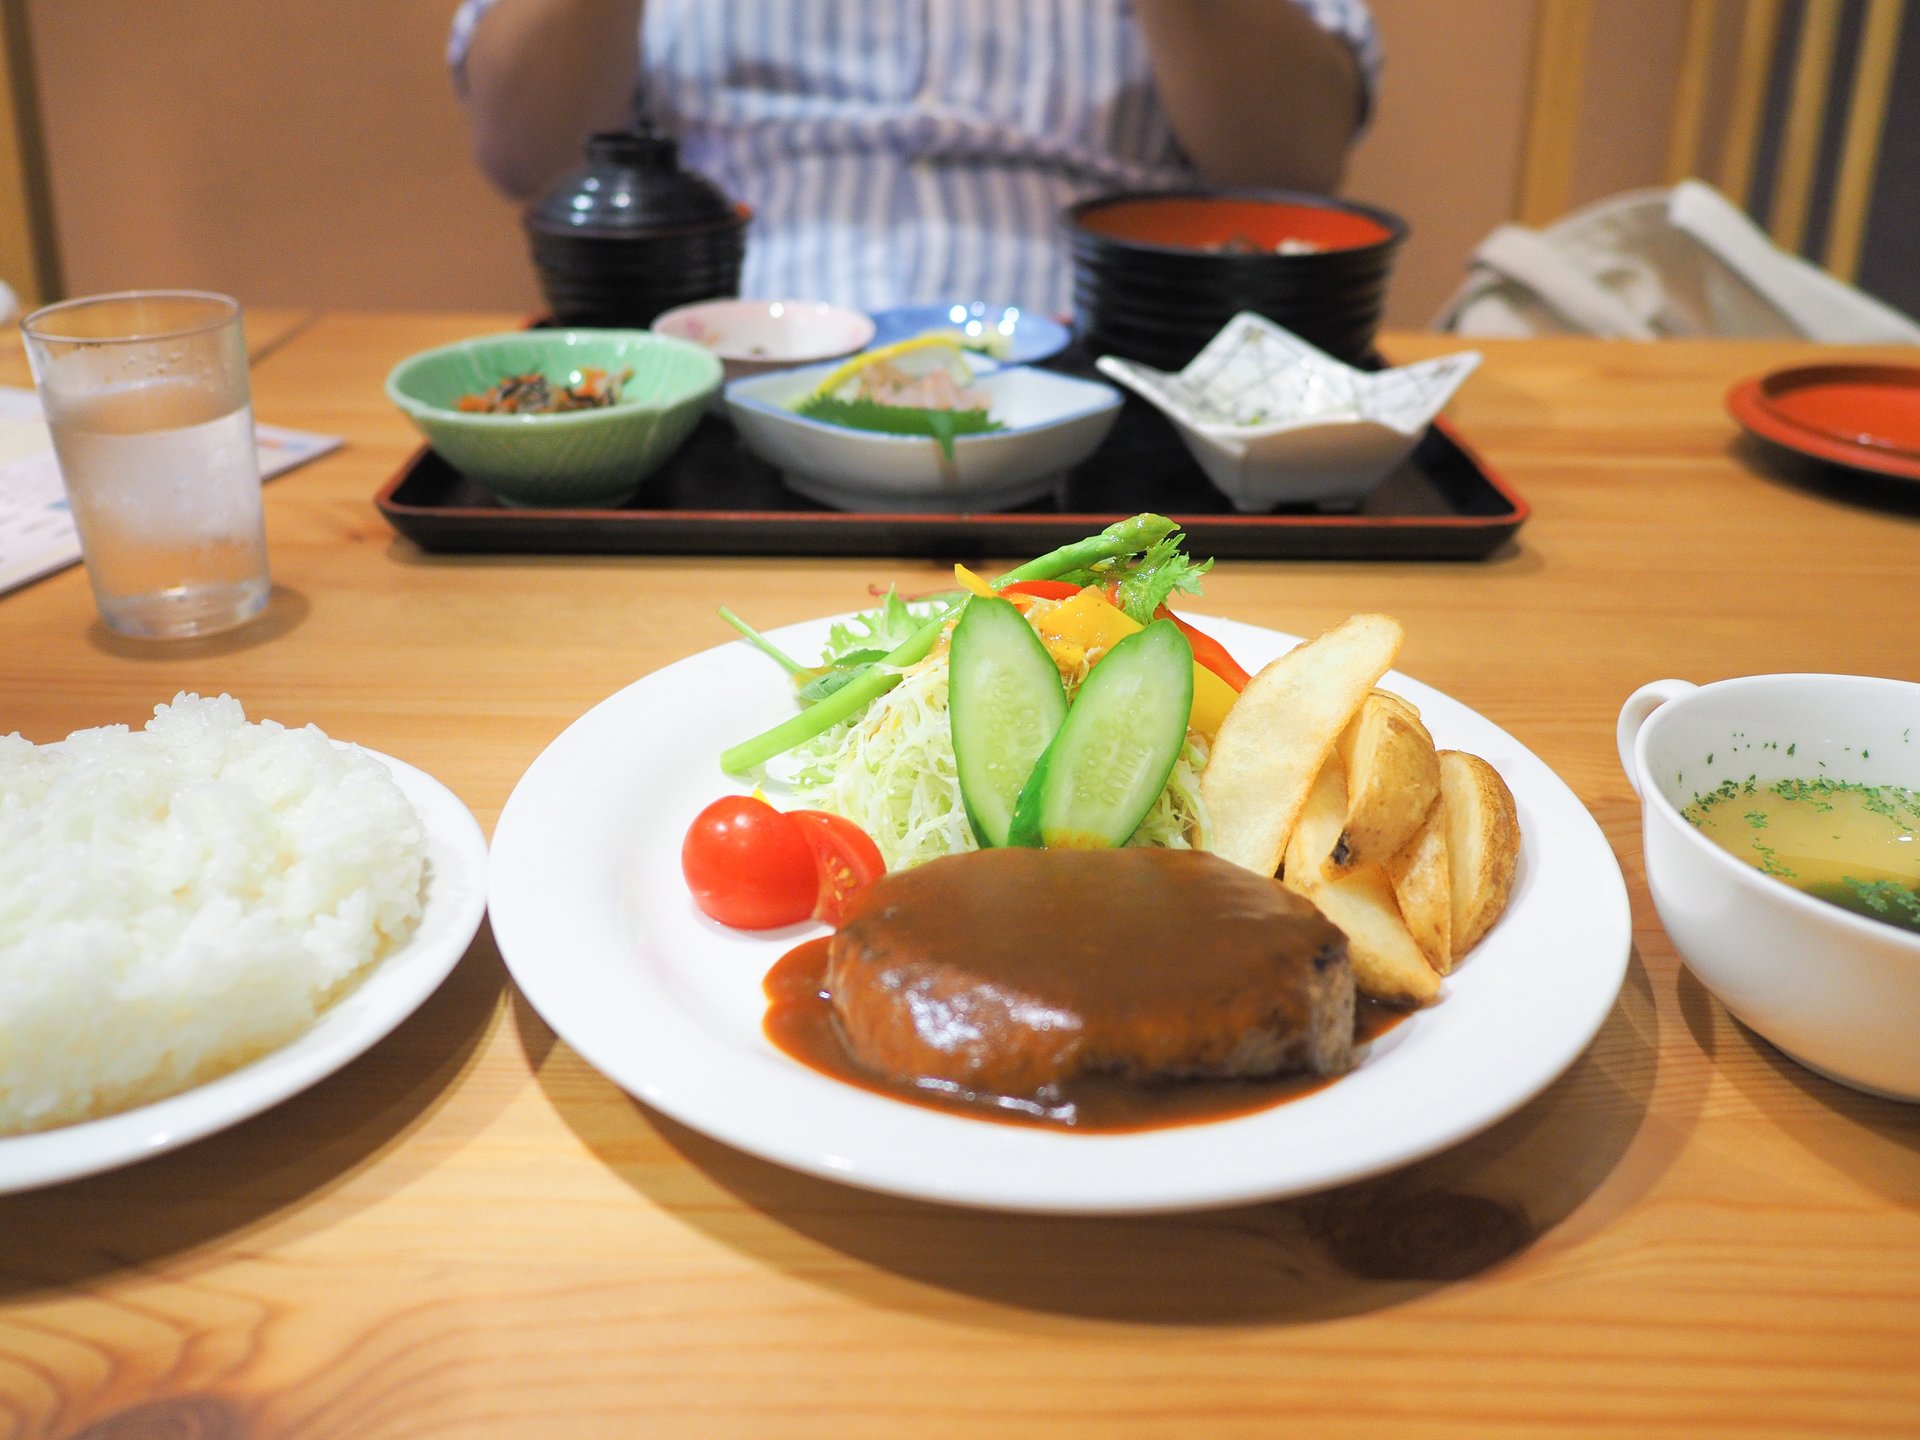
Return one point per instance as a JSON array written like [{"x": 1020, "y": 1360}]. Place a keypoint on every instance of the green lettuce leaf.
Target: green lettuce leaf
[
  {"x": 881, "y": 630},
  {"x": 1165, "y": 570}
]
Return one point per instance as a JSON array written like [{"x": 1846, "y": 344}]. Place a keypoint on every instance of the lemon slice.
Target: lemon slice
[{"x": 939, "y": 351}]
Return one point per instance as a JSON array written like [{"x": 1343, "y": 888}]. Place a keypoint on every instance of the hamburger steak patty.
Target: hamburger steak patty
[{"x": 1011, "y": 971}]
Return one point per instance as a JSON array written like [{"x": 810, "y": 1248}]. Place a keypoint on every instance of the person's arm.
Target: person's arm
[
  {"x": 1256, "y": 91},
  {"x": 541, "y": 76}
]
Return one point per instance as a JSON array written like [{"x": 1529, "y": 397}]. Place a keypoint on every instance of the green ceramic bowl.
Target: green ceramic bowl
[{"x": 581, "y": 457}]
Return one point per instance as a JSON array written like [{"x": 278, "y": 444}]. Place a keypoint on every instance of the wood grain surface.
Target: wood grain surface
[{"x": 469, "y": 1232}]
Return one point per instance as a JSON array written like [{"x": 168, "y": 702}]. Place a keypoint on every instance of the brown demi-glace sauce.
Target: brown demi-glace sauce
[{"x": 800, "y": 1022}]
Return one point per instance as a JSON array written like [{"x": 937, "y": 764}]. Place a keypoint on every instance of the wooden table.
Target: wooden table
[{"x": 469, "y": 1232}]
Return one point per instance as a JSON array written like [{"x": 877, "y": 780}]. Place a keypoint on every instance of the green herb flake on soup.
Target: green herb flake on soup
[{"x": 1853, "y": 845}]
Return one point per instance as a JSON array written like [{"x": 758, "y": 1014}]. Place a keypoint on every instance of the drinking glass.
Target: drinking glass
[{"x": 146, "y": 395}]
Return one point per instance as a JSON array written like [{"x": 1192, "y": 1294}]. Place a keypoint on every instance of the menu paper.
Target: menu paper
[{"x": 36, "y": 529}]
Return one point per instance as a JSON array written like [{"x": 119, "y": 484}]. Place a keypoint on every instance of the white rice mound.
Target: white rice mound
[{"x": 179, "y": 901}]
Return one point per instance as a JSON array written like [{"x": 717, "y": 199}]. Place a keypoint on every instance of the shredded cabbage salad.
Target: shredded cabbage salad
[
  {"x": 873, "y": 741},
  {"x": 890, "y": 769}
]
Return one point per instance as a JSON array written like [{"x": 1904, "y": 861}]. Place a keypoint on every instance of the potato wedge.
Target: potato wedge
[
  {"x": 1392, "y": 778},
  {"x": 1317, "y": 832},
  {"x": 1387, "y": 964},
  {"x": 1281, "y": 730},
  {"x": 1423, "y": 886},
  {"x": 1483, "y": 844}
]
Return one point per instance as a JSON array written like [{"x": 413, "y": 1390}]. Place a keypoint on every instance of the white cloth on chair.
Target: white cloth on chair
[{"x": 1656, "y": 264}]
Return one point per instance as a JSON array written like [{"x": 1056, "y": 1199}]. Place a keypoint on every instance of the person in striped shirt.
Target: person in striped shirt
[{"x": 907, "y": 151}]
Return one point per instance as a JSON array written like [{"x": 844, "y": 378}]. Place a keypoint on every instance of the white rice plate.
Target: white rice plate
[{"x": 178, "y": 901}]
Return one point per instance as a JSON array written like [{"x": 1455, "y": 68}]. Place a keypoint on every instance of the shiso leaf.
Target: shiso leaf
[{"x": 941, "y": 425}]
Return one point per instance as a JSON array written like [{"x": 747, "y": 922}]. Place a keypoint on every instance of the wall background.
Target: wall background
[
  {"x": 306, "y": 154},
  {"x": 314, "y": 155}
]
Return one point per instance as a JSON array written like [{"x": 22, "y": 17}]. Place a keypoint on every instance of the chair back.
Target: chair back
[{"x": 1749, "y": 33}]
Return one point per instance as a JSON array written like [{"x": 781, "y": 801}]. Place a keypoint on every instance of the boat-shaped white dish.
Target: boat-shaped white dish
[{"x": 1273, "y": 420}]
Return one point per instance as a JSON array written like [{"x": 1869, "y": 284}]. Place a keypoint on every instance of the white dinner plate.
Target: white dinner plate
[
  {"x": 593, "y": 917},
  {"x": 456, "y": 898}
]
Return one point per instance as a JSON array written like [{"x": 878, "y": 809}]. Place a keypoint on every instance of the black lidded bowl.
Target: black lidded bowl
[
  {"x": 630, "y": 234},
  {"x": 1157, "y": 274}
]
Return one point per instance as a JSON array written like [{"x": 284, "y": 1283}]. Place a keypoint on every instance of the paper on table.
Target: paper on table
[{"x": 36, "y": 530}]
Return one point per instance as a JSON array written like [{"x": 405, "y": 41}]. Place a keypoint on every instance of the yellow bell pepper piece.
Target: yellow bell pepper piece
[
  {"x": 1067, "y": 656},
  {"x": 1092, "y": 622},
  {"x": 1088, "y": 620},
  {"x": 967, "y": 580},
  {"x": 1212, "y": 698}
]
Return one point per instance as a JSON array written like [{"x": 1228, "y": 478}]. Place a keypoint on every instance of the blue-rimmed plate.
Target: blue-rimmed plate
[{"x": 1007, "y": 333}]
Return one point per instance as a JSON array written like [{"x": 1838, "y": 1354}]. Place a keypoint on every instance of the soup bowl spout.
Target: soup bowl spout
[{"x": 1835, "y": 990}]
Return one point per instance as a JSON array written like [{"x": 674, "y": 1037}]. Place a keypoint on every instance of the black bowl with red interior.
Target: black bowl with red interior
[
  {"x": 1156, "y": 275},
  {"x": 630, "y": 234}
]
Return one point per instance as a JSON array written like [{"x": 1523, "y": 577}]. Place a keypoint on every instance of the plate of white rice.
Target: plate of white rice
[{"x": 203, "y": 917}]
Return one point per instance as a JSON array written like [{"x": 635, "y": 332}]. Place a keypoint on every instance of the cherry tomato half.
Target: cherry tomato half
[
  {"x": 749, "y": 866},
  {"x": 845, "y": 859}
]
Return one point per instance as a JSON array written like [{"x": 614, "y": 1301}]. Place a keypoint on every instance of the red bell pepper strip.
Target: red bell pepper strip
[
  {"x": 1042, "y": 589},
  {"x": 1209, "y": 652}
]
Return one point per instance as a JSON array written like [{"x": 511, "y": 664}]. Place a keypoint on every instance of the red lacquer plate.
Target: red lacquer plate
[{"x": 1861, "y": 416}]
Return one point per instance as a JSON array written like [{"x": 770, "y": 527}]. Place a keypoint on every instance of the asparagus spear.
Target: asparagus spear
[
  {"x": 1116, "y": 542},
  {"x": 765, "y": 646},
  {"x": 854, "y": 696}
]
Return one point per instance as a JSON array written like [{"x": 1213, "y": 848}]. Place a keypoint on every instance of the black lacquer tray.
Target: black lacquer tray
[{"x": 714, "y": 497}]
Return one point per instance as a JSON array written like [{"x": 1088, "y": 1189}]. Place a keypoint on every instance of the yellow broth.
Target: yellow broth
[{"x": 1850, "y": 844}]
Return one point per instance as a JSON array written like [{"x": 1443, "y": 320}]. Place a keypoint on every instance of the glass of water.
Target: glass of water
[{"x": 146, "y": 395}]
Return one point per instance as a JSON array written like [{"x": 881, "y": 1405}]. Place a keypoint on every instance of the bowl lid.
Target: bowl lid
[{"x": 632, "y": 183}]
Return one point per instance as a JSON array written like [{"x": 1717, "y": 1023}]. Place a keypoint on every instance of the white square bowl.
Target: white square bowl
[{"x": 1052, "y": 423}]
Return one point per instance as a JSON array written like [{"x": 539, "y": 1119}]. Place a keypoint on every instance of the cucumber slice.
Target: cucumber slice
[
  {"x": 1005, "y": 702},
  {"x": 1110, "y": 761}
]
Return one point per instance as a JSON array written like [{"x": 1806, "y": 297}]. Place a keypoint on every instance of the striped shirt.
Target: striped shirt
[{"x": 907, "y": 151}]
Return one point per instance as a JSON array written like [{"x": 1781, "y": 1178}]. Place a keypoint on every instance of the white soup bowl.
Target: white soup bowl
[{"x": 1836, "y": 991}]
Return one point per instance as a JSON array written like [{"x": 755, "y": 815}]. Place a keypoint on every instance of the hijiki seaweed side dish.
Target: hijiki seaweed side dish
[{"x": 534, "y": 394}]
